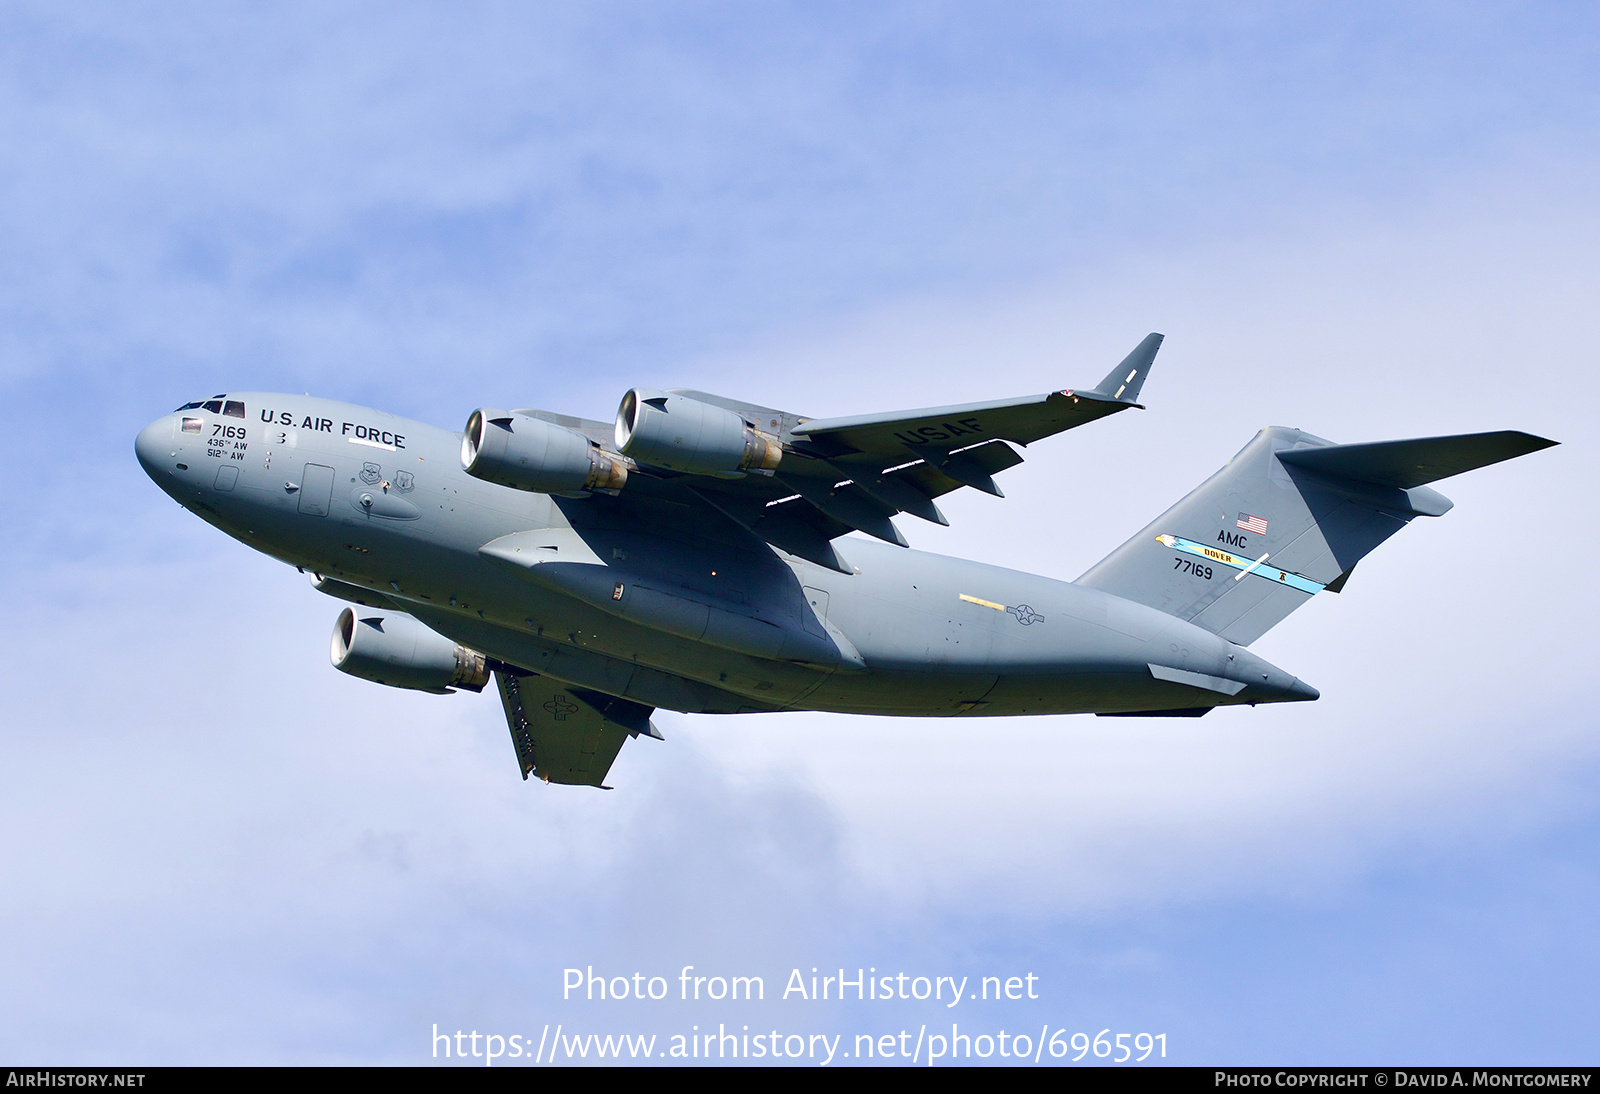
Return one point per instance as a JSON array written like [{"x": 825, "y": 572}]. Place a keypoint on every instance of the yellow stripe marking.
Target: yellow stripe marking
[{"x": 985, "y": 603}]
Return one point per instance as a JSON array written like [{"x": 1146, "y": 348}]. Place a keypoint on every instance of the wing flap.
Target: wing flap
[
  {"x": 938, "y": 478},
  {"x": 567, "y": 735},
  {"x": 794, "y": 526},
  {"x": 848, "y": 504},
  {"x": 902, "y": 495}
]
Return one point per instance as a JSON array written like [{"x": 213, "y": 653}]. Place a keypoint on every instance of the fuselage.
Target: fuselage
[{"x": 381, "y": 503}]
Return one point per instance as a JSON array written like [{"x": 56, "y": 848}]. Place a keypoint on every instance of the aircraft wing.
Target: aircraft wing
[
  {"x": 564, "y": 734},
  {"x": 853, "y": 474},
  {"x": 944, "y": 428},
  {"x": 797, "y": 483}
]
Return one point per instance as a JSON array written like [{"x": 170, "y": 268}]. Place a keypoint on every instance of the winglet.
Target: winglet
[{"x": 1124, "y": 381}]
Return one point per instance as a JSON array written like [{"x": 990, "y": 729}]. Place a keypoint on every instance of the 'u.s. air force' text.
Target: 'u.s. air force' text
[{"x": 359, "y": 430}]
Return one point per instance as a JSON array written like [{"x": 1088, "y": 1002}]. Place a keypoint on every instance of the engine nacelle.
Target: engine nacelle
[
  {"x": 530, "y": 454},
  {"x": 392, "y": 648},
  {"x": 682, "y": 434}
]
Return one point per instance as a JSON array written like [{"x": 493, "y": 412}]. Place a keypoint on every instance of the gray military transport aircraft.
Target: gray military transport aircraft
[{"x": 687, "y": 557}]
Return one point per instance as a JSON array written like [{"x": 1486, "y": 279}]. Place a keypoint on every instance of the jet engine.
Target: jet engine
[
  {"x": 393, "y": 648},
  {"x": 682, "y": 434},
  {"x": 530, "y": 454}
]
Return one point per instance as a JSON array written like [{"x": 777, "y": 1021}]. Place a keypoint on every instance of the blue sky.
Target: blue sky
[{"x": 1368, "y": 222}]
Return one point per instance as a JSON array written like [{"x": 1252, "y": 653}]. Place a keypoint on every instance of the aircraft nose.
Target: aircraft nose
[{"x": 153, "y": 444}]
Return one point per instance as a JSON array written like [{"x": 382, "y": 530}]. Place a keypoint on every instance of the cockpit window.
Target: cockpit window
[
  {"x": 217, "y": 404},
  {"x": 192, "y": 425}
]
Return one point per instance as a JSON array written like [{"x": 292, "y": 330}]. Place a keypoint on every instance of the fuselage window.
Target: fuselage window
[
  {"x": 192, "y": 425},
  {"x": 233, "y": 408},
  {"x": 215, "y": 406}
]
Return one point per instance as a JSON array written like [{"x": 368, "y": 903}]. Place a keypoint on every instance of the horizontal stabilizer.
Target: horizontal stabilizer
[{"x": 1405, "y": 464}]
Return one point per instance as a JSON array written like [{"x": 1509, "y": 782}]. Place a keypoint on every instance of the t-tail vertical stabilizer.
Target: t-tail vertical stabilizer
[{"x": 1287, "y": 518}]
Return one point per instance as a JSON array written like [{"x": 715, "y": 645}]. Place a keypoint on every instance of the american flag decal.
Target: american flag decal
[{"x": 1258, "y": 525}]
